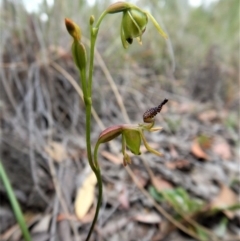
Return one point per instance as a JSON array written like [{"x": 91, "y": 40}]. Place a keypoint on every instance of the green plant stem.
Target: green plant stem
[
  {"x": 88, "y": 99},
  {"x": 92, "y": 47},
  {"x": 88, "y": 104},
  {"x": 100, "y": 19},
  {"x": 99, "y": 180},
  {"x": 94, "y": 33},
  {"x": 84, "y": 83},
  {"x": 15, "y": 205},
  {"x": 97, "y": 172}
]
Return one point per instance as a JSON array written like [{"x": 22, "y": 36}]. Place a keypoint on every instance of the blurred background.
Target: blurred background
[{"x": 43, "y": 122}]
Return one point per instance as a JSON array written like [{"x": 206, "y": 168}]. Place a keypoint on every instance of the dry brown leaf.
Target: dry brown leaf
[
  {"x": 208, "y": 116},
  {"x": 142, "y": 181},
  {"x": 198, "y": 151},
  {"x": 179, "y": 164},
  {"x": 113, "y": 227},
  {"x": 149, "y": 218},
  {"x": 171, "y": 165},
  {"x": 85, "y": 196},
  {"x": 225, "y": 198},
  {"x": 187, "y": 107},
  {"x": 56, "y": 151},
  {"x": 113, "y": 158},
  {"x": 173, "y": 152},
  {"x": 42, "y": 225},
  {"x": 57, "y": 50},
  {"x": 205, "y": 141},
  {"x": 123, "y": 198},
  {"x": 160, "y": 184},
  {"x": 64, "y": 216},
  {"x": 222, "y": 149},
  {"x": 164, "y": 228},
  {"x": 88, "y": 218}
]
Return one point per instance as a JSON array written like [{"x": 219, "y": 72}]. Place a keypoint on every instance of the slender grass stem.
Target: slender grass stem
[{"x": 14, "y": 203}]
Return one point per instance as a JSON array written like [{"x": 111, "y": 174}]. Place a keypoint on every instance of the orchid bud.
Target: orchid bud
[
  {"x": 73, "y": 29},
  {"x": 78, "y": 49},
  {"x": 79, "y": 54},
  {"x": 91, "y": 20}
]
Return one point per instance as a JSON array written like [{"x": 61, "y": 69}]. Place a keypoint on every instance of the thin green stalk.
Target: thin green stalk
[
  {"x": 101, "y": 18},
  {"x": 83, "y": 82},
  {"x": 97, "y": 172},
  {"x": 99, "y": 180},
  {"x": 14, "y": 203},
  {"x": 88, "y": 105},
  {"x": 94, "y": 33},
  {"x": 92, "y": 48},
  {"x": 88, "y": 99}
]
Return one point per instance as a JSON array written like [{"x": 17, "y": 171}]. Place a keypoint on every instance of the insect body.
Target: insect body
[{"x": 148, "y": 116}]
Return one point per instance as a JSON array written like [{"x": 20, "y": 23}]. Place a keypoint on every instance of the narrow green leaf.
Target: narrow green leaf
[{"x": 14, "y": 203}]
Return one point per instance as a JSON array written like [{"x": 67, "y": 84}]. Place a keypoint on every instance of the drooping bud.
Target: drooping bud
[
  {"x": 118, "y": 7},
  {"x": 73, "y": 29}
]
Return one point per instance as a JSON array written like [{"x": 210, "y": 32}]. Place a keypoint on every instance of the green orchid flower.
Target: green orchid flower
[
  {"x": 134, "y": 22},
  {"x": 132, "y": 135}
]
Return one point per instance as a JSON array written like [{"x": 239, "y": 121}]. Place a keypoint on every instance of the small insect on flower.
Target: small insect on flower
[{"x": 148, "y": 116}]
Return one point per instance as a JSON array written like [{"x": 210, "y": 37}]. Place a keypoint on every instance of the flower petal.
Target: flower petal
[{"x": 160, "y": 30}]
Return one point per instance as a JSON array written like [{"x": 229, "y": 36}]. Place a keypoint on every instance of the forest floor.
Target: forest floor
[{"x": 43, "y": 150}]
